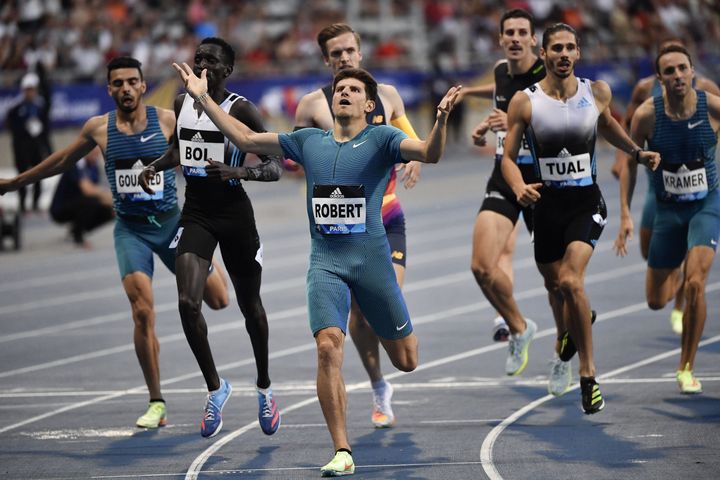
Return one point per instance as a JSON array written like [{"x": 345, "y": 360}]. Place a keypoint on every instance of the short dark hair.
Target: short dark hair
[
  {"x": 332, "y": 31},
  {"x": 227, "y": 51},
  {"x": 517, "y": 13},
  {"x": 558, "y": 27},
  {"x": 364, "y": 76},
  {"x": 124, "y": 62},
  {"x": 673, "y": 48}
]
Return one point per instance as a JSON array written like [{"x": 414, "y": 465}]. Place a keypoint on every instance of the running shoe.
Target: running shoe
[
  {"x": 518, "y": 349},
  {"x": 592, "y": 400},
  {"x": 500, "y": 331},
  {"x": 687, "y": 381},
  {"x": 382, "y": 414},
  {"x": 560, "y": 377},
  {"x": 212, "y": 423},
  {"x": 342, "y": 464},
  {"x": 567, "y": 346},
  {"x": 156, "y": 416},
  {"x": 268, "y": 413},
  {"x": 676, "y": 320}
]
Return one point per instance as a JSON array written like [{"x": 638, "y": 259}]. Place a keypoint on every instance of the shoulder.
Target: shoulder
[
  {"x": 165, "y": 117},
  {"x": 644, "y": 86},
  {"x": 310, "y": 107},
  {"x": 243, "y": 106},
  {"x": 708, "y": 85},
  {"x": 600, "y": 88},
  {"x": 95, "y": 128},
  {"x": 390, "y": 96},
  {"x": 311, "y": 98},
  {"x": 645, "y": 111}
]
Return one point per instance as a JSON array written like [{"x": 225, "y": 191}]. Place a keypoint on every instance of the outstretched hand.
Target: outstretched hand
[
  {"x": 195, "y": 86},
  {"x": 448, "y": 102}
]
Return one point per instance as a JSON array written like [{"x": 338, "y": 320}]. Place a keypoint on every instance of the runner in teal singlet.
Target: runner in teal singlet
[
  {"x": 682, "y": 124},
  {"x": 347, "y": 169},
  {"x": 131, "y": 136}
]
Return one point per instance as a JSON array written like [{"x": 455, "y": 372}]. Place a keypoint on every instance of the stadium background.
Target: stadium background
[{"x": 417, "y": 45}]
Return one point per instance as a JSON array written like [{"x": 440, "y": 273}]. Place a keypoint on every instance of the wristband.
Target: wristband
[
  {"x": 202, "y": 98},
  {"x": 635, "y": 153}
]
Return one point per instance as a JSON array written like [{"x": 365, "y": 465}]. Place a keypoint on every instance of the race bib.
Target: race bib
[
  {"x": 199, "y": 146},
  {"x": 127, "y": 184},
  {"x": 566, "y": 170},
  {"x": 339, "y": 209},
  {"x": 687, "y": 183},
  {"x": 524, "y": 156}
]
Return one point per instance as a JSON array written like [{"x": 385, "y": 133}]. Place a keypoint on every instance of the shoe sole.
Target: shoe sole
[
  {"x": 380, "y": 426},
  {"x": 276, "y": 428},
  {"x": 594, "y": 410},
  {"x": 162, "y": 423},
  {"x": 329, "y": 473}
]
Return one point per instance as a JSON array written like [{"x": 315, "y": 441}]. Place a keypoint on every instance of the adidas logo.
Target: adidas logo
[
  {"x": 337, "y": 194},
  {"x": 138, "y": 165},
  {"x": 564, "y": 153},
  {"x": 197, "y": 138},
  {"x": 683, "y": 169},
  {"x": 583, "y": 103}
]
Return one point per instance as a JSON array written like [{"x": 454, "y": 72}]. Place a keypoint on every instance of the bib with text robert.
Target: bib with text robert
[{"x": 339, "y": 209}]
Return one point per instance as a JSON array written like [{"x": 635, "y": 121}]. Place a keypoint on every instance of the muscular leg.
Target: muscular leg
[
  {"x": 645, "y": 237},
  {"x": 564, "y": 281},
  {"x": 191, "y": 273},
  {"x": 330, "y": 384},
  {"x": 247, "y": 290},
  {"x": 216, "y": 288},
  {"x": 491, "y": 234},
  {"x": 661, "y": 285},
  {"x": 403, "y": 352},
  {"x": 138, "y": 287},
  {"x": 697, "y": 269}
]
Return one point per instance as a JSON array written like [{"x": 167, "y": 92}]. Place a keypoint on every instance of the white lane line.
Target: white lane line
[
  {"x": 486, "y": 450},
  {"x": 296, "y": 311},
  {"x": 197, "y": 464}
]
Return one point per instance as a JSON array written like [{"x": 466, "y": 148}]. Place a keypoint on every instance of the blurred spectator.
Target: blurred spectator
[
  {"x": 80, "y": 200},
  {"x": 29, "y": 126}
]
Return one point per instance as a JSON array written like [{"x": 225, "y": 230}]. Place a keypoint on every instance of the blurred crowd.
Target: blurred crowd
[{"x": 75, "y": 38}]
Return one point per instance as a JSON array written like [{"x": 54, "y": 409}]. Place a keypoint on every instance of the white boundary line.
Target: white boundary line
[{"x": 486, "y": 450}]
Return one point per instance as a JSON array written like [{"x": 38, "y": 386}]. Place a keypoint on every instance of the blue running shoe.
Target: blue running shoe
[
  {"x": 268, "y": 413},
  {"x": 212, "y": 417}
]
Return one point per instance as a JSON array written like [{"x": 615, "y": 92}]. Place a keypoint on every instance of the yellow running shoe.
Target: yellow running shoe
[
  {"x": 676, "y": 319},
  {"x": 687, "y": 381},
  {"x": 156, "y": 416},
  {"x": 341, "y": 465}
]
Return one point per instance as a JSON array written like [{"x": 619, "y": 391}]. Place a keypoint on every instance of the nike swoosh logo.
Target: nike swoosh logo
[
  {"x": 693, "y": 125},
  {"x": 144, "y": 139},
  {"x": 401, "y": 326},
  {"x": 355, "y": 145}
]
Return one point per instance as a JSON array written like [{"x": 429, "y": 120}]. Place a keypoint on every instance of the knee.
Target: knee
[
  {"x": 482, "y": 272},
  {"x": 329, "y": 352},
  {"x": 569, "y": 284},
  {"x": 143, "y": 315},
  {"x": 406, "y": 363},
  {"x": 253, "y": 311},
  {"x": 218, "y": 302},
  {"x": 694, "y": 288},
  {"x": 189, "y": 307}
]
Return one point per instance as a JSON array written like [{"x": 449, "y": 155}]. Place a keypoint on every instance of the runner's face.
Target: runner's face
[
  {"x": 209, "y": 56},
  {"x": 561, "y": 55},
  {"x": 676, "y": 73},
  {"x": 516, "y": 40},
  {"x": 350, "y": 99},
  {"x": 126, "y": 88},
  {"x": 343, "y": 52}
]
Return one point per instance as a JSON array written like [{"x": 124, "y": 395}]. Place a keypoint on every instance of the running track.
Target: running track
[{"x": 71, "y": 388}]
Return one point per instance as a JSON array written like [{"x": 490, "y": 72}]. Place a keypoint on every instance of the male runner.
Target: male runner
[
  {"x": 495, "y": 229},
  {"x": 218, "y": 211},
  {"x": 346, "y": 171},
  {"x": 130, "y": 136},
  {"x": 682, "y": 124},
  {"x": 646, "y": 88},
  {"x": 340, "y": 46},
  {"x": 560, "y": 116}
]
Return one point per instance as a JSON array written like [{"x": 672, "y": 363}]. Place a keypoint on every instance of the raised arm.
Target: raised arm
[
  {"x": 430, "y": 150},
  {"x": 642, "y": 126},
  {"x": 518, "y": 118},
  {"x": 58, "y": 161},
  {"x": 236, "y": 131}
]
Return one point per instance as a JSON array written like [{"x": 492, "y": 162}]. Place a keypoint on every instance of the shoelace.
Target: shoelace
[
  {"x": 267, "y": 406},
  {"x": 557, "y": 367},
  {"x": 210, "y": 409}
]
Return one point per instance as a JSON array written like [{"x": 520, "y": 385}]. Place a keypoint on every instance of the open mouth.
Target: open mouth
[
  {"x": 344, "y": 101},
  {"x": 126, "y": 99},
  {"x": 515, "y": 49}
]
